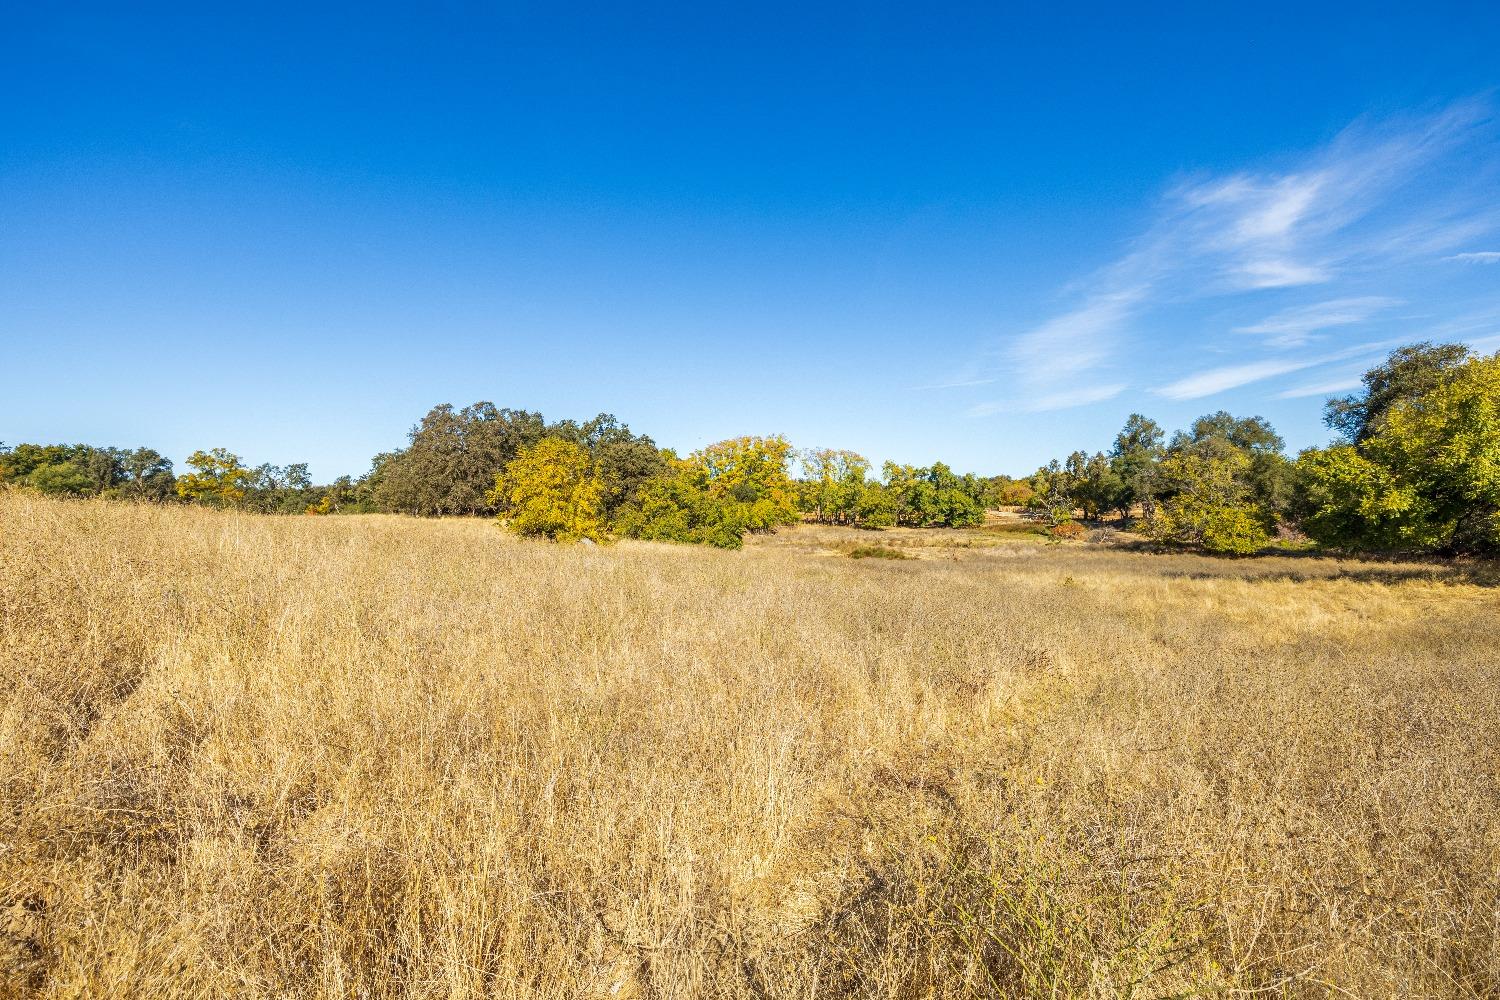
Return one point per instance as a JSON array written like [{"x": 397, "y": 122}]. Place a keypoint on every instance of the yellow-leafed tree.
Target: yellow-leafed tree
[
  {"x": 218, "y": 478},
  {"x": 551, "y": 489},
  {"x": 751, "y": 472}
]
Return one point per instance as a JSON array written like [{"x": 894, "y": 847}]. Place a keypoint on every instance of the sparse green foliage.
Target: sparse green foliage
[
  {"x": 876, "y": 552},
  {"x": 1052, "y": 492}
]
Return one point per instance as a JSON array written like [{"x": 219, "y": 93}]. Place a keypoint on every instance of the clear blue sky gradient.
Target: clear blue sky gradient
[{"x": 920, "y": 232}]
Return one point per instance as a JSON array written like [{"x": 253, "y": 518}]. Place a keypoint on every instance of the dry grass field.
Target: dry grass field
[{"x": 381, "y": 757}]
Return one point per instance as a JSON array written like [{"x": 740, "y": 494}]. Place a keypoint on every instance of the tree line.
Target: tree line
[
  {"x": 1414, "y": 466},
  {"x": 564, "y": 480}
]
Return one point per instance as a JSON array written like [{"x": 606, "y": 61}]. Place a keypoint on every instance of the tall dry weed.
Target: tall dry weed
[{"x": 379, "y": 757}]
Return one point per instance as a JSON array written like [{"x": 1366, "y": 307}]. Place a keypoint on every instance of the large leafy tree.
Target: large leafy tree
[
  {"x": 751, "y": 472},
  {"x": 1407, "y": 374},
  {"x": 1349, "y": 501},
  {"x": 61, "y": 479},
  {"x": 716, "y": 495},
  {"x": 276, "y": 489},
  {"x": 218, "y": 478},
  {"x": 624, "y": 461},
  {"x": 450, "y": 462},
  {"x": 1424, "y": 472},
  {"x": 1222, "y": 484},
  {"x": 1005, "y": 491},
  {"x": 145, "y": 475},
  {"x": 909, "y": 494},
  {"x": 1251, "y": 434},
  {"x": 1267, "y": 474},
  {"x": 20, "y": 465},
  {"x": 676, "y": 506},
  {"x": 1210, "y": 498},
  {"x": 1095, "y": 485},
  {"x": 62, "y": 469},
  {"x": 835, "y": 484},
  {"x": 1137, "y": 450},
  {"x": 552, "y": 490},
  {"x": 932, "y": 495}
]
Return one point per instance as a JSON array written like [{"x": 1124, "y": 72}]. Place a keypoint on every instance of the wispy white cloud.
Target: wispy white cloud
[
  {"x": 1303, "y": 245},
  {"x": 1247, "y": 229},
  {"x": 1216, "y": 380},
  {"x": 962, "y": 383},
  {"x": 1225, "y": 377},
  {"x": 1082, "y": 396},
  {"x": 1324, "y": 388},
  {"x": 1076, "y": 340},
  {"x": 1063, "y": 400},
  {"x": 1277, "y": 274},
  {"x": 1295, "y": 326},
  {"x": 1277, "y": 208}
]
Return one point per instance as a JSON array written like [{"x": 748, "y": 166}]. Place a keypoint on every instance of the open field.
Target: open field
[{"x": 380, "y": 757}]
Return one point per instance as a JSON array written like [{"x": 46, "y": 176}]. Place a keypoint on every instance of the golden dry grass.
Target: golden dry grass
[{"x": 380, "y": 757}]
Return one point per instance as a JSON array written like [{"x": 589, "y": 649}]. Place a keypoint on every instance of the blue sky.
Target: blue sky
[{"x": 921, "y": 232}]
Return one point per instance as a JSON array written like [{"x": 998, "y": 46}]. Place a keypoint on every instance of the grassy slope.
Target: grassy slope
[{"x": 373, "y": 756}]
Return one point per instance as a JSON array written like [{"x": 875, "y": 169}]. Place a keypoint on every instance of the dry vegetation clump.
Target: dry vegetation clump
[
  {"x": 876, "y": 552},
  {"x": 380, "y": 757},
  {"x": 1068, "y": 531}
]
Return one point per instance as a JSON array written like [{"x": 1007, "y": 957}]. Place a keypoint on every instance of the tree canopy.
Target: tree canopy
[
  {"x": 551, "y": 489},
  {"x": 1414, "y": 466},
  {"x": 451, "y": 457},
  {"x": 1409, "y": 373},
  {"x": 218, "y": 477},
  {"x": 1422, "y": 470}
]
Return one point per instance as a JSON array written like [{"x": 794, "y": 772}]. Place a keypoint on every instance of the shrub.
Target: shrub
[
  {"x": 676, "y": 508},
  {"x": 1069, "y": 531},
  {"x": 1237, "y": 529},
  {"x": 876, "y": 552}
]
